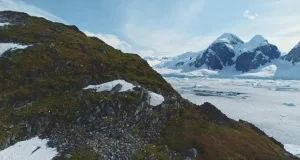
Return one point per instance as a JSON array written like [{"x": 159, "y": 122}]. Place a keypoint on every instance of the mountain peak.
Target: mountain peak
[
  {"x": 258, "y": 39},
  {"x": 229, "y": 38}
]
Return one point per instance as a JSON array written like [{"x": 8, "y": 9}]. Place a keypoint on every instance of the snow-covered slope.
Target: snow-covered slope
[
  {"x": 228, "y": 38},
  {"x": 182, "y": 61},
  {"x": 32, "y": 149}
]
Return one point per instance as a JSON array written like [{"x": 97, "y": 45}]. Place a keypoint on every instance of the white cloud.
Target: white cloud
[
  {"x": 166, "y": 42},
  {"x": 145, "y": 53},
  {"x": 20, "y": 6},
  {"x": 111, "y": 40},
  {"x": 249, "y": 15},
  {"x": 279, "y": 23},
  {"x": 170, "y": 39}
]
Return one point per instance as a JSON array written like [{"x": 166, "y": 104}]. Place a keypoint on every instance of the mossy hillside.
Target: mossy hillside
[
  {"x": 156, "y": 152},
  {"x": 63, "y": 58}
]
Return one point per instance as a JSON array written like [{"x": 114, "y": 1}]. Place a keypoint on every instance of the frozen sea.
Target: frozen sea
[{"x": 271, "y": 105}]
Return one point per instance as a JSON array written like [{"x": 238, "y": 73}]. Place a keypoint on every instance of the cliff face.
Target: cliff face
[
  {"x": 42, "y": 95},
  {"x": 294, "y": 55}
]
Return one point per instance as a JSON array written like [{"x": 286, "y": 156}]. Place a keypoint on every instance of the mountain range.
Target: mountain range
[{"x": 230, "y": 52}]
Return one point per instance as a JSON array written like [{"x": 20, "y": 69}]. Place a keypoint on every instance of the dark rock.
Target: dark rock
[
  {"x": 191, "y": 153},
  {"x": 179, "y": 64},
  {"x": 67, "y": 156},
  {"x": 109, "y": 111},
  {"x": 294, "y": 55},
  {"x": 116, "y": 88},
  {"x": 216, "y": 57},
  {"x": 259, "y": 57}
]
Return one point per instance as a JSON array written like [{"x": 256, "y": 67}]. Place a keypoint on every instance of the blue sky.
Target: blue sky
[{"x": 171, "y": 27}]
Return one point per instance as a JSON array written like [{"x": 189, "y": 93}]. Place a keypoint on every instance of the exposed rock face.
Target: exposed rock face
[
  {"x": 116, "y": 88},
  {"x": 256, "y": 58},
  {"x": 41, "y": 94},
  {"x": 220, "y": 53},
  {"x": 294, "y": 55}
]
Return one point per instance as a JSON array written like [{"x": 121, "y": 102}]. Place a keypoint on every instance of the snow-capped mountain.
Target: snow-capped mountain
[
  {"x": 294, "y": 55},
  {"x": 220, "y": 53},
  {"x": 255, "y": 53},
  {"x": 229, "y": 50}
]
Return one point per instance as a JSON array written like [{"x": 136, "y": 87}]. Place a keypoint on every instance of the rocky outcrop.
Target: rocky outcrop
[{"x": 294, "y": 55}]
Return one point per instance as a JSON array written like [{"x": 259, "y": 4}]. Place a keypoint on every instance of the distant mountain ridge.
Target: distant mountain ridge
[{"x": 229, "y": 50}]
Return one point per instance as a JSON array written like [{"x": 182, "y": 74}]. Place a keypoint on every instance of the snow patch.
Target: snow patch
[
  {"x": 4, "y": 24},
  {"x": 294, "y": 149},
  {"x": 108, "y": 86},
  {"x": 7, "y": 46},
  {"x": 155, "y": 99},
  {"x": 31, "y": 149}
]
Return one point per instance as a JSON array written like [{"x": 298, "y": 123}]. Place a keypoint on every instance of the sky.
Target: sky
[{"x": 171, "y": 27}]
